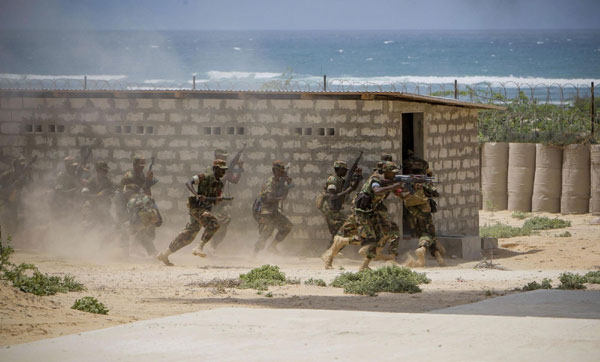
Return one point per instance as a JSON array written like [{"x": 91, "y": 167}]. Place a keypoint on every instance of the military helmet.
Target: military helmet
[
  {"x": 340, "y": 164},
  {"x": 138, "y": 159},
  {"x": 220, "y": 164},
  {"x": 390, "y": 166},
  {"x": 279, "y": 165},
  {"x": 386, "y": 157}
]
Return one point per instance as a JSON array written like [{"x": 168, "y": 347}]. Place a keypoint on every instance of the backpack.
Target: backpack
[{"x": 256, "y": 208}]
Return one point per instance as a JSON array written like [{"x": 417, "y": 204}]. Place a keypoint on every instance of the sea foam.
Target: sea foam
[{"x": 13, "y": 76}]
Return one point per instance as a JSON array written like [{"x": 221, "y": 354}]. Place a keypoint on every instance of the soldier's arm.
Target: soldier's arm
[{"x": 191, "y": 183}]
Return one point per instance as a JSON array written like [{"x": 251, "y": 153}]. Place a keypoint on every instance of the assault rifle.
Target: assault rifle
[
  {"x": 350, "y": 176},
  {"x": 236, "y": 160},
  {"x": 410, "y": 180},
  {"x": 149, "y": 181}
]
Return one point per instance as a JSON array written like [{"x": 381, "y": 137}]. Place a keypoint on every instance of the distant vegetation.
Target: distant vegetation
[
  {"x": 90, "y": 305},
  {"x": 389, "y": 278},
  {"x": 530, "y": 226}
]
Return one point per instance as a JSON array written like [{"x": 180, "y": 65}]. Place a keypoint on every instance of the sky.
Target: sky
[{"x": 298, "y": 14}]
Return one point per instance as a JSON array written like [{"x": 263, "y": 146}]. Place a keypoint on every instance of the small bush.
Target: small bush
[
  {"x": 546, "y": 284},
  {"x": 571, "y": 281},
  {"x": 263, "y": 277},
  {"x": 269, "y": 295},
  {"x": 520, "y": 215},
  {"x": 317, "y": 282},
  {"x": 545, "y": 223},
  {"x": 389, "y": 278},
  {"x": 565, "y": 234},
  {"x": 593, "y": 277},
  {"x": 29, "y": 279},
  {"x": 500, "y": 231},
  {"x": 90, "y": 305}
]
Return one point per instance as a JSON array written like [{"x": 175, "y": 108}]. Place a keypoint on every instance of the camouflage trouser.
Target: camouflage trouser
[
  {"x": 422, "y": 224},
  {"x": 387, "y": 231},
  {"x": 220, "y": 212},
  {"x": 267, "y": 223},
  {"x": 144, "y": 234},
  {"x": 198, "y": 219},
  {"x": 334, "y": 219},
  {"x": 360, "y": 227}
]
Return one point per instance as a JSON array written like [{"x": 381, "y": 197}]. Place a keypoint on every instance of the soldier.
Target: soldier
[
  {"x": 144, "y": 218},
  {"x": 221, "y": 210},
  {"x": 136, "y": 184},
  {"x": 359, "y": 228},
  {"x": 207, "y": 193},
  {"x": 66, "y": 199},
  {"x": 384, "y": 225},
  {"x": 418, "y": 209},
  {"x": 267, "y": 213},
  {"x": 99, "y": 191},
  {"x": 330, "y": 203},
  {"x": 12, "y": 183}
]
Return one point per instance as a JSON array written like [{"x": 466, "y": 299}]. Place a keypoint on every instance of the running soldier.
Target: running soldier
[
  {"x": 266, "y": 209},
  {"x": 136, "y": 210},
  {"x": 418, "y": 209},
  {"x": 359, "y": 228},
  {"x": 66, "y": 201},
  {"x": 384, "y": 225},
  {"x": 98, "y": 192},
  {"x": 331, "y": 202},
  {"x": 12, "y": 183},
  {"x": 221, "y": 210},
  {"x": 206, "y": 189}
]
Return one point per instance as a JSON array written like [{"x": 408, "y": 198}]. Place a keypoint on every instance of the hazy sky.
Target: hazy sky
[{"x": 299, "y": 14}]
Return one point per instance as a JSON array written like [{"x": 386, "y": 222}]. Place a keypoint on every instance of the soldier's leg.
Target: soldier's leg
[
  {"x": 342, "y": 238},
  {"x": 368, "y": 237},
  {"x": 219, "y": 236},
  {"x": 283, "y": 226},
  {"x": 182, "y": 239},
  {"x": 146, "y": 238},
  {"x": 211, "y": 225},
  {"x": 394, "y": 239},
  {"x": 266, "y": 227},
  {"x": 335, "y": 220}
]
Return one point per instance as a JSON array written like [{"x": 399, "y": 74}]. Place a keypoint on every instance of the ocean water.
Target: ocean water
[{"x": 246, "y": 60}]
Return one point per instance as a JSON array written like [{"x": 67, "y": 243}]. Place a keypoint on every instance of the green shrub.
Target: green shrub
[
  {"x": 593, "y": 277},
  {"x": 29, "y": 279},
  {"x": 263, "y": 277},
  {"x": 545, "y": 223},
  {"x": 564, "y": 234},
  {"x": 520, "y": 215},
  {"x": 571, "y": 281},
  {"x": 546, "y": 284},
  {"x": 317, "y": 282},
  {"x": 389, "y": 278},
  {"x": 90, "y": 305},
  {"x": 500, "y": 231}
]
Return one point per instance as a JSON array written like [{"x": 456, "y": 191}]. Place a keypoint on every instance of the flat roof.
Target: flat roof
[{"x": 195, "y": 94}]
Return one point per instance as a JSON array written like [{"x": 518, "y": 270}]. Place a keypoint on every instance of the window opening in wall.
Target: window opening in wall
[
  {"x": 139, "y": 130},
  {"x": 29, "y": 128},
  {"x": 331, "y": 131},
  {"x": 217, "y": 130},
  {"x": 149, "y": 129},
  {"x": 308, "y": 131},
  {"x": 51, "y": 128},
  {"x": 240, "y": 130},
  {"x": 118, "y": 129},
  {"x": 207, "y": 130},
  {"x": 321, "y": 131},
  {"x": 230, "y": 130},
  {"x": 299, "y": 131},
  {"x": 127, "y": 129},
  {"x": 60, "y": 128},
  {"x": 37, "y": 128}
]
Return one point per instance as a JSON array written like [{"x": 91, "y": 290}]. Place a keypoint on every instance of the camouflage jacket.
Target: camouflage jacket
[
  {"x": 132, "y": 182},
  {"x": 67, "y": 183},
  {"x": 142, "y": 210},
  {"x": 206, "y": 185},
  {"x": 366, "y": 200},
  {"x": 414, "y": 165},
  {"x": 271, "y": 188},
  {"x": 338, "y": 182}
]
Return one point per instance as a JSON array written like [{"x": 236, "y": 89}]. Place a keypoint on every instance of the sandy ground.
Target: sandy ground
[{"x": 141, "y": 288}]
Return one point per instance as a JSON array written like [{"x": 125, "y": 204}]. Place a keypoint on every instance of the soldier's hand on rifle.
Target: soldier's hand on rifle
[
  {"x": 150, "y": 175},
  {"x": 200, "y": 197}
]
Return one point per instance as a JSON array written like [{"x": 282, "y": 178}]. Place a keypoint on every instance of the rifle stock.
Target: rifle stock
[{"x": 352, "y": 171}]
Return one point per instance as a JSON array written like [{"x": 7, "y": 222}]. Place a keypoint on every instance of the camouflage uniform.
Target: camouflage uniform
[
  {"x": 200, "y": 212},
  {"x": 66, "y": 201},
  {"x": 387, "y": 229},
  {"x": 332, "y": 207},
  {"x": 270, "y": 218},
  {"x": 143, "y": 220}
]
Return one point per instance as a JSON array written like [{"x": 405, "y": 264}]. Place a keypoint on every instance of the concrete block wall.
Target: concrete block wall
[{"x": 182, "y": 134}]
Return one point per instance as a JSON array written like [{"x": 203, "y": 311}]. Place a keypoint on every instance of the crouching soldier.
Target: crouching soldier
[
  {"x": 206, "y": 190},
  {"x": 144, "y": 218},
  {"x": 266, "y": 209}
]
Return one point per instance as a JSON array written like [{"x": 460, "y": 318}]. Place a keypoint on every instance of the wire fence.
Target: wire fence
[{"x": 483, "y": 92}]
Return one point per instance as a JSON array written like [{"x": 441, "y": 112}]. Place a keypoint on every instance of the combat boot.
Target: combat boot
[
  {"x": 198, "y": 250},
  {"x": 164, "y": 257},
  {"x": 338, "y": 244},
  {"x": 420, "y": 252},
  {"x": 363, "y": 252},
  {"x": 384, "y": 257}
]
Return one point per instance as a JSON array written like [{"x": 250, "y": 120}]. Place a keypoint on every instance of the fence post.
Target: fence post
[
  {"x": 455, "y": 89},
  {"x": 592, "y": 109},
  {"x": 324, "y": 82},
  {"x": 84, "y": 82},
  {"x": 194, "y": 83}
]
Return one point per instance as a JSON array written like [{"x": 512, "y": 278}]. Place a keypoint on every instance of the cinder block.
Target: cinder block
[
  {"x": 166, "y": 155},
  {"x": 34, "y": 103},
  {"x": 10, "y": 128},
  {"x": 60, "y": 102},
  {"x": 234, "y": 104},
  {"x": 278, "y": 104},
  {"x": 200, "y": 117},
  {"x": 166, "y": 104},
  {"x": 155, "y": 117},
  {"x": 290, "y": 118},
  {"x": 489, "y": 243},
  {"x": 111, "y": 142},
  {"x": 312, "y": 118},
  {"x": 370, "y": 106},
  {"x": 122, "y": 104},
  {"x": 155, "y": 142},
  {"x": 101, "y": 103},
  {"x": 121, "y": 154},
  {"x": 349, "y": 105},
  {"x": 188, "y": 155},
  {"x": 178, "y": 143},
  {"x": 132, "y": 142},
  {"x": 134, "y": 116},
  {"x": 268, "y": 143},
  {"x": 191, "y": 130},
  {"x": 212, "y": 103},
  {"x": 303, "y": 104},
  {"x": 66, "y": 141},
  {"x": 178, "y": 117},
  {"x": 144, "y": 103},
  {"x": 165, "y": 130},
  {"x": 78, "y": 129},
  {"x": 99, "y": 129},
  {"x": 324, "y": 105},
  {"x": 377, "y": 132},
  {"x": 258, "y": 131},
  {"x": 191, "y": 104}
]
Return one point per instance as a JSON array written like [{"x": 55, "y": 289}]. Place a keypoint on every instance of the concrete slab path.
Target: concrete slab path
[{"x": 249, "y": 334}]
